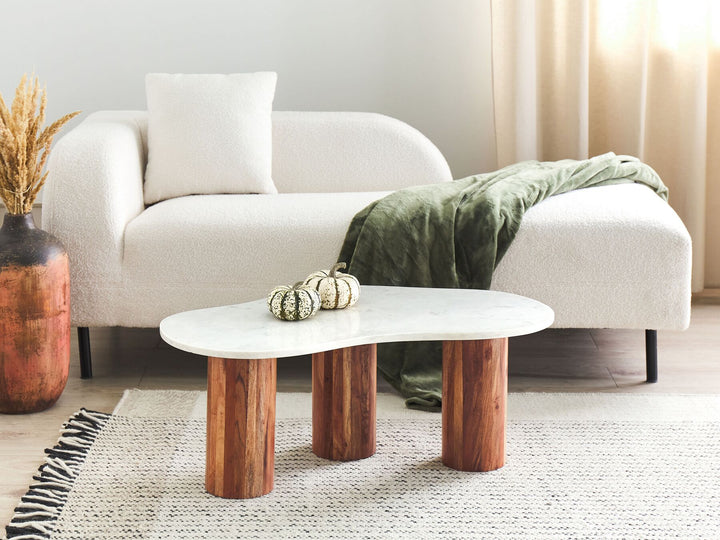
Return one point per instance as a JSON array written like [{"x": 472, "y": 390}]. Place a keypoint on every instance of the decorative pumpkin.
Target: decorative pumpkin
[
  {"x": 337, "y": 290},
  {"x": 293, "y": 303}
]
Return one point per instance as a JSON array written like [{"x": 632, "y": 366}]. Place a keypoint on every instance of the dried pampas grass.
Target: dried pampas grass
[{"x": 24, "y": 149}]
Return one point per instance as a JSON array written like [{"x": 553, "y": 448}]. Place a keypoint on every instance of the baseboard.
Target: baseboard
[{"x": 707, "y": 296}]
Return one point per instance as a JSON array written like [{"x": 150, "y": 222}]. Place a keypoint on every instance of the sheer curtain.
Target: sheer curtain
[{"x": 573, "y": 79}]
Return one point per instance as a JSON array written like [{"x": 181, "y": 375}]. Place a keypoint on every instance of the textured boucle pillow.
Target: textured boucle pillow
[{"x": 209, "y": 134}]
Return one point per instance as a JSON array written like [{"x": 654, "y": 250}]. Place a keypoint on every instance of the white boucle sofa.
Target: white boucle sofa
[{"x": 604, "y": 257}]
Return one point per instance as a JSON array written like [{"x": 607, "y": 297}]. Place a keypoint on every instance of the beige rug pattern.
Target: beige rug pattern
[{"x": 578, "y": 466}]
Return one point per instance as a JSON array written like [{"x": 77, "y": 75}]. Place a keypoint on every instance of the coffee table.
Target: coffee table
[{"x": 243, "y": 341}]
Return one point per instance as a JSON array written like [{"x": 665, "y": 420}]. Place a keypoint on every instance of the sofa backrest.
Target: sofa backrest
[
  {"x": 320, "y": 152},
  {"x": 351, "y": 151}
]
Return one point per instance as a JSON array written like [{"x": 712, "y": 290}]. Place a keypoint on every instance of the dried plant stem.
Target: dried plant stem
[{"x": 24, "y": 149}]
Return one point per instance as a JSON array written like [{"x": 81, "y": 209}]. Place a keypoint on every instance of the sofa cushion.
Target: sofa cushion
[
  {"x": 209, "y": 134},
  {"x": 230, "y": 248},
  {"x": 611, "y": 256}
]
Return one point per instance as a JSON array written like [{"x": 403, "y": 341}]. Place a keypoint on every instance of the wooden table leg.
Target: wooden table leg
[
  {"x": 344, "y": 387},
  {"x": 473, "y": 409},
  {"x": 240, "y": 456}
]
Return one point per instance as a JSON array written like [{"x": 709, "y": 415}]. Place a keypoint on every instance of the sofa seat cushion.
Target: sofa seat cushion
[
  {"x": 240, "y": 243},
  {"x": 610, "y": 256}
]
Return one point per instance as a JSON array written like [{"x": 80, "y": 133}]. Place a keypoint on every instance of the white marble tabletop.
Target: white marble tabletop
[{"x": 381, "y": 315}]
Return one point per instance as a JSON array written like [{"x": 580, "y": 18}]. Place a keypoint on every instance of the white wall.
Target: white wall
[{"x": 426, "y": 62}]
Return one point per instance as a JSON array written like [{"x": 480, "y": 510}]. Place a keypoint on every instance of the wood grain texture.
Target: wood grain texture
[
  {"x": 34, "y": 334},
  {"x": 344, "y": 387},
  {"x": 474, "y": 404},
  {"x": 240, "y": 458}
]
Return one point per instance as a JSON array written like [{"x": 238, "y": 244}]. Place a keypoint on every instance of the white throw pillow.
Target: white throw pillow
[{"x": 209, "y": 134}]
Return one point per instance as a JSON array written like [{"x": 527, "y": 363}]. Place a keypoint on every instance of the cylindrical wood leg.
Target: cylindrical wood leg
[
  {"x": 473, "y": 408},
  {"x": 344, "y": 386},
  {"x": 240, "y": 457}
]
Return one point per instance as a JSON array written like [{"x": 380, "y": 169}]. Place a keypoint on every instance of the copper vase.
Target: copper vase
[{"x": 34, "y": 316}]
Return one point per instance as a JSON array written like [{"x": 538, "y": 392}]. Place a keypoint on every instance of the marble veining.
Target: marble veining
[{"x": 381, "y": 315}]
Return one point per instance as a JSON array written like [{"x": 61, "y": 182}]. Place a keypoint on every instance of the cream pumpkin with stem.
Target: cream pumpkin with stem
[{"x": 337, "y": 290}]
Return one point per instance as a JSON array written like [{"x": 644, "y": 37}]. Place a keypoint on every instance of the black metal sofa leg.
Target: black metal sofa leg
[
  {"x": 651, "y": 355},
  {"x": 85, "y": 358}
]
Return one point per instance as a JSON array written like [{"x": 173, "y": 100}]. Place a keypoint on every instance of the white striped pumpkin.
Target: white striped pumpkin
[
  {"x": 293, "y": 303},
  {"x": 337, "y": 290}
]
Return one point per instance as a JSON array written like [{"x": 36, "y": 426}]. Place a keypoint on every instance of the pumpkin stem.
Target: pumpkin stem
[
  {"x": 336, "y": 267},
  {"x": 298, "y": 284}
]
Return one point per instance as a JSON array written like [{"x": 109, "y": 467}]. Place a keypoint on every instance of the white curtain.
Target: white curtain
[{"x": 577, "y": 78}]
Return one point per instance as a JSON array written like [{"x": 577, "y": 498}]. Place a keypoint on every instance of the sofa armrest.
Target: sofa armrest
[{"x": 94, "y": 189}]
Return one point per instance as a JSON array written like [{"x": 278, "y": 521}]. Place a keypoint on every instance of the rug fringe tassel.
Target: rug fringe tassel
[{"x": 36, "y": 514}]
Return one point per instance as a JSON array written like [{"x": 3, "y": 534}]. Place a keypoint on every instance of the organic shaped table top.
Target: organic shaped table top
[{"x": 381, "y": 315}]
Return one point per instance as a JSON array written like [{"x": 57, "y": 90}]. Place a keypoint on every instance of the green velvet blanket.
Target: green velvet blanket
[{"x": 453, "y": 235}]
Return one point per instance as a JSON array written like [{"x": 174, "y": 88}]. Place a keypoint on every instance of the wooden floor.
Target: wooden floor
[{"x": 550, "y": 361}]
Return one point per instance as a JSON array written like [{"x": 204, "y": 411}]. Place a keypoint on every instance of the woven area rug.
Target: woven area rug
[{"x": 578, "y": 466}]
